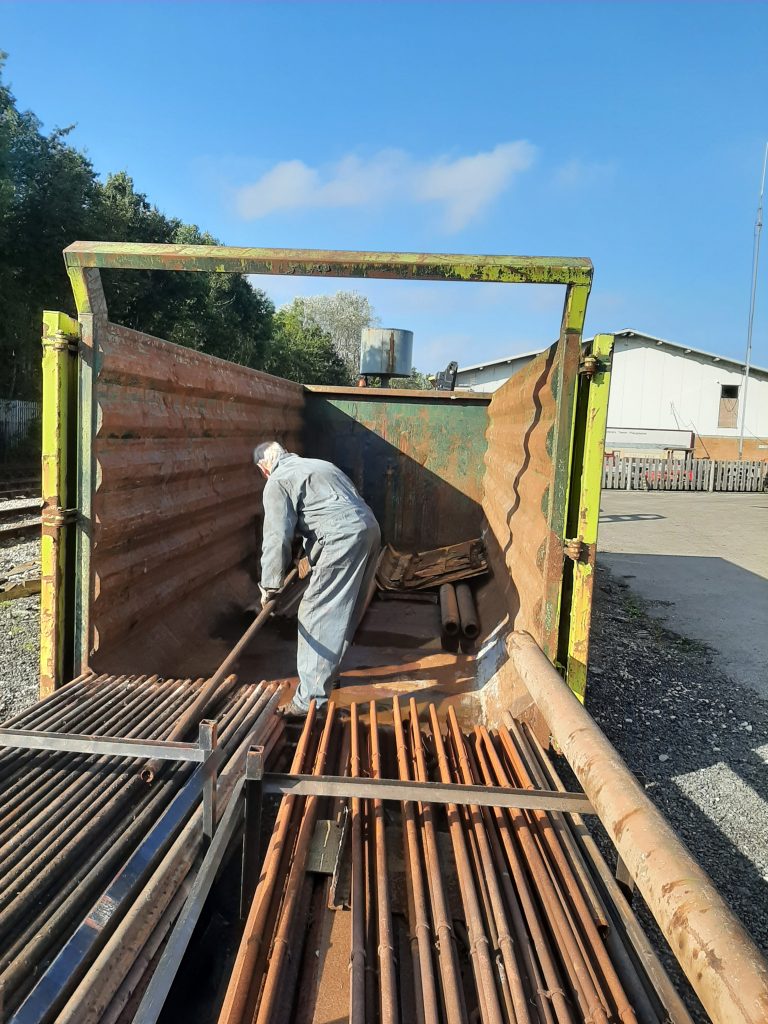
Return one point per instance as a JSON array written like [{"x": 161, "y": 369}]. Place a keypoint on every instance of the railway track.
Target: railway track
[{"x": 19, "y": 518}]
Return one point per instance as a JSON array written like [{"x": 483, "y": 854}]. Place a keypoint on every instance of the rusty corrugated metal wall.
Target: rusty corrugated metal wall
[
  {"x": 176, "y": 496},
  {"x": 417, "y": 459},
  {"x": 525, "y": 488}
]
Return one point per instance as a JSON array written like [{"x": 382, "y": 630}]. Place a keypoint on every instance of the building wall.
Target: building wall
[
  {"x": 489, "y": 378},
  {"x": 658, "y": 387}
]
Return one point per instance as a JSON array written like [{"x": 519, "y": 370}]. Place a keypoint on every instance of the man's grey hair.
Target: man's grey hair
[{"x": 267, "y": 453}]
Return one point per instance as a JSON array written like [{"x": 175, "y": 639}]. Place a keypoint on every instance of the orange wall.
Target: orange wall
[{"x": 728, "y": 448}]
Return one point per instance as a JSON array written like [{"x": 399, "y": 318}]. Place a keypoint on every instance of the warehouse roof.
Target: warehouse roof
[{"x": 628, "y": 333}]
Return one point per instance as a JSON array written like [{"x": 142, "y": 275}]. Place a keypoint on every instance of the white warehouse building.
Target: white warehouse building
[{"x": 665, "y": 397}]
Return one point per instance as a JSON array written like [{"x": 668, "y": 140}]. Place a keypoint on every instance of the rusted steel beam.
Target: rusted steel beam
[
  {"x": 725, "y": 968},
  {"x": 240, "y": 997},
  {"x": 418, "y": 888},
  {"x": 592, "y": 1003},
  {"x": 330, "y": 263},
  {"x": 479, "y": 951},
  {"x": 388, "y": 1009},
  {"x": 506, "y": 943},
  {"x": 582, "y": 912},
  {"x": 449, "y": 609},
  {"x": 453, "y": 997},
  {"x": 470, "y": 626},
  {"x": 357, "y": 953},
  {"x": 272, "y": 992},
  {"x": 425, "y": 792}
]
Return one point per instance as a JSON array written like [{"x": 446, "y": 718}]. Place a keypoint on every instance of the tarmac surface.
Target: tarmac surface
[{"x": 699, "y": 562}]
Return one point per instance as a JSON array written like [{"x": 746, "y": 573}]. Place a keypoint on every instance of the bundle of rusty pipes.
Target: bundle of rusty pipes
[
  {"x": 74, "y": 825},
  {"x": 456, "y": 913}
]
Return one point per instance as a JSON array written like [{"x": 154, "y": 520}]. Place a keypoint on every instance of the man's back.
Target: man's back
[{"x": 318, "y": 491}]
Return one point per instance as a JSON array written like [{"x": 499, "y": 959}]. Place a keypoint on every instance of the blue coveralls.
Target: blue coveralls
[{"x": 341, "y": 539}]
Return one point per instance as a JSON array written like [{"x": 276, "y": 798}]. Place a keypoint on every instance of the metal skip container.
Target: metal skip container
[{"x": 386, "y": 352}]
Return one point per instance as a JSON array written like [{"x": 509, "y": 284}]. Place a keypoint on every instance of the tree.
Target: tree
[
  {"x": 49, "y": 197},
  {"x": 302, "y": 352},
  {"x": 46, "y": 192},
  {"x": 416, "y": 382},
  {"x": 342, "y": 316},
  {"x": 221, "y": 314}
]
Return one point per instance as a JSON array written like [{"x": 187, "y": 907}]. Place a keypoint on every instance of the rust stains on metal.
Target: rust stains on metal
[
  {"x": 525, "y": 487},
  {"x": 176, "y": 498}
]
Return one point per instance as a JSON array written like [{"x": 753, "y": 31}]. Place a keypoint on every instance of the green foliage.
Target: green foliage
[
  {"x": 302, "y": 352},
  {"x": 50, "y": 196},
  {"x": 417, "y": 381}
]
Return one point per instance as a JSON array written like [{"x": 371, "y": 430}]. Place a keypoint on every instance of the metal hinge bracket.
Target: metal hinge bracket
[
  {"x": 589, "y": 366},
  {"x": 574, "y": 549}
]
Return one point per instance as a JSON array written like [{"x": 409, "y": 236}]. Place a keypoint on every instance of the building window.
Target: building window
[{"x": 729, "y": 405}]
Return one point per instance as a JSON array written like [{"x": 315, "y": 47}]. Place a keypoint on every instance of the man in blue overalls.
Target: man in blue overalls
[{"x": 341, "y": 537}]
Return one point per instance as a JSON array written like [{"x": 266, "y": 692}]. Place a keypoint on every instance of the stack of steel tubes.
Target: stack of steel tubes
[
  {"x": 456, "y": 913},
  {"x": 70, "y": 824}
]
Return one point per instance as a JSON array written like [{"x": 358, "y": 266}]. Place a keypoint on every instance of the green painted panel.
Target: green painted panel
[{"x": 418, "y": 463}]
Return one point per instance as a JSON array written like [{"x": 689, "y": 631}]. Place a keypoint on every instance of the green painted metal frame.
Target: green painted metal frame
[
  {"x": 60, "y": 341},
  {"x": 85, "y": 260},
  {"x": 590, "y": 418}
]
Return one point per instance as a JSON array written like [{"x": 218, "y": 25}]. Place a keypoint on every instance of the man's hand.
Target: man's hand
[
  {"x": 266, "y": 596},
  {"x": 304, "y": 567}
]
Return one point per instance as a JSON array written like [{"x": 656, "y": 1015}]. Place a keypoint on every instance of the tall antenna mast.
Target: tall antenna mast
[{"x": 755, "y": 261}]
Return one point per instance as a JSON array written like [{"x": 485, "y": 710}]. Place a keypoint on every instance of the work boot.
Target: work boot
[{"x": 294, "y": 710}]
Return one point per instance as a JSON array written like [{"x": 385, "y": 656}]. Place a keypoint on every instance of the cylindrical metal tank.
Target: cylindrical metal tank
[{"x": 386, "y": 352}]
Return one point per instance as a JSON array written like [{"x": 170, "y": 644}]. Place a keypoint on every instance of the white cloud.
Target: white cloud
[
  {"x": 576, "y": 173},
  {"x": 464, "y": 186}
]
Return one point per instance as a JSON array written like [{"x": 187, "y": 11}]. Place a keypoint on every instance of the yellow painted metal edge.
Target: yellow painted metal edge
[
  {"x": 588, "y": 515},
  {"x": 60, "y": 337}
]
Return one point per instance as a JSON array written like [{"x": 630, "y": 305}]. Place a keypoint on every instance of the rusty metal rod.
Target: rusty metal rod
[
  {"x": 470, "y": 625},
  {"x": 449, "y": 610},
  {"x": 564, "y": 834},
  {"x": 505, "y": 941},
  {"x": 540, "y": 992},
  {"x": 453, "y": 997},
  {"x": 421, "y": 927},
  {"x": 386, "y": 952},
  {"x": 690, "y": 912},
  {"x": 357, "y": 955},
  {"x": 479, "y": 948},
  {"x": 281, "y": 947},
  {"x": 586, "y": 993},
  {"x": 652, "y": 969},
  {"x": 240, "y": 998},
  {"x": 220, "y": 680},
  {"x": 571, "y": 887},
  {"x": 91, "y": 868}
]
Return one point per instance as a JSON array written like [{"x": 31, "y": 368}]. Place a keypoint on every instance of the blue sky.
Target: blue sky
[{"x": 629, "y": 133}]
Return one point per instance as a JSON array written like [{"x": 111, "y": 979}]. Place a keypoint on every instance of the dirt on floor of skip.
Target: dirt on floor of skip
[{"x": 696, "y": 740}]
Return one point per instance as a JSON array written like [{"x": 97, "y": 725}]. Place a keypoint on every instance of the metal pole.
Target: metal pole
[{"x": 753, "y": 292}]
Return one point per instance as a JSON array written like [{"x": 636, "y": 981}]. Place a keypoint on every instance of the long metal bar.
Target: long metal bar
[
  {"x": 388, "y": 1006},
  {"x": 723, "y": 964},
  {"x": 157, "y": 991},
  {"x": 53, "y": 985},
  {"x": 453, "y": 996},
  {"x": 240, "y": 998},
  {"x": 644, "y": 952},
  {"x": 107, "y": 746},
  {"x": 425, "y": 792},
  {"x": 330, "y": 263}
]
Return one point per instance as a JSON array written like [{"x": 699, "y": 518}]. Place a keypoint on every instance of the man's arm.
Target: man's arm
[{"x": 277, "y": 541}]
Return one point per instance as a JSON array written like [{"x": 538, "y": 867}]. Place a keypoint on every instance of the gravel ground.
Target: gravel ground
[
  {"x": 19, "y": 636},
  {"x": 695, "y": 739}
]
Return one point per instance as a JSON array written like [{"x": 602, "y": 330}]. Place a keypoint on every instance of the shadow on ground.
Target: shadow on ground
[{"x": 696, "y": 740}]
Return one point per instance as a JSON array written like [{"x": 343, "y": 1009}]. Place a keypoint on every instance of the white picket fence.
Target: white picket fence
[
  {"x": 16, "y": 418},
  {"x": 654, "y": 474}
]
